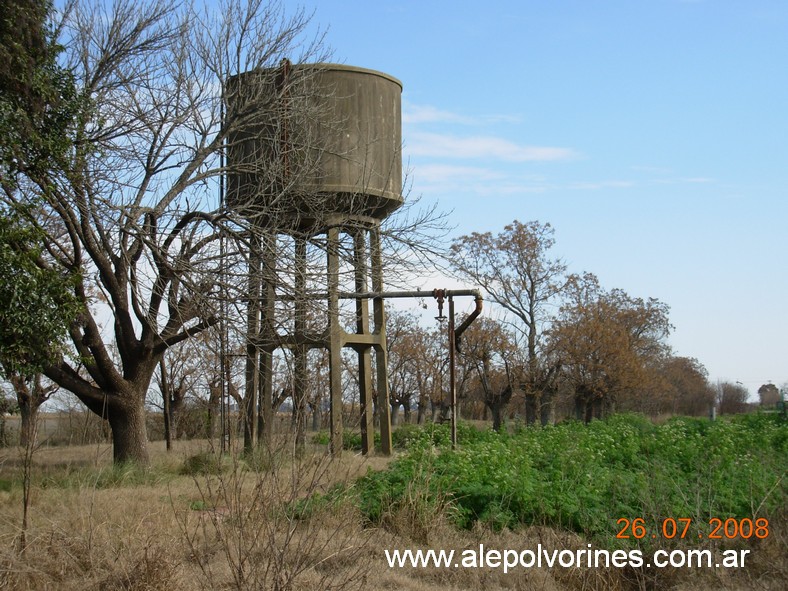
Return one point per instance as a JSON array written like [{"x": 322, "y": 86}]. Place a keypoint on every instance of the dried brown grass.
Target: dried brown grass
[{"x": 234, "y": 530}]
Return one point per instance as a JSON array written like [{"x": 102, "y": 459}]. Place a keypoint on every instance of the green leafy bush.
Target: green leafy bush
[{"x": 586, "y": 477}]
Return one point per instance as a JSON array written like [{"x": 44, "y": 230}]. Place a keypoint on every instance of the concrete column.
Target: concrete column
[
  {"x": 364, "y": 358},
  {"x": 267, "y": 327},
  {"x": 335, "y": 341},
  {"x": 300, "y": 349},
  {"x": 381, "y": 353},
  {"x": 252, "y": 372}
]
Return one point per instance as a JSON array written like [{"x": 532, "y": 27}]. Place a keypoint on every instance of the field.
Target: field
[{"x": 281, "y": 520}]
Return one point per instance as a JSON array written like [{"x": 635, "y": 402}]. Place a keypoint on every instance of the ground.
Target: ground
[{"x": 190, "y": 523}]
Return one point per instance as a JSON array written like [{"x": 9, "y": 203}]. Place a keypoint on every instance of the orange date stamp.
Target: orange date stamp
[{"x": 670, "y": 528}]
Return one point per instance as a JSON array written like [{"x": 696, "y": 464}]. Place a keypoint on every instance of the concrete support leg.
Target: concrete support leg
[
  {"x": 381, "y": 363},
  {"x": 364, "y": 357},
  {"x": 335, "y": 342},
  {"x": 300, "y": 350},
  {"x": 252, "y": 373},
  {"x": 267, "y": 306}
]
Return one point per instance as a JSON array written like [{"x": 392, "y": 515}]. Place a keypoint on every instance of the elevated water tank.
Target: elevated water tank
[{"x": 310, "y": 143}]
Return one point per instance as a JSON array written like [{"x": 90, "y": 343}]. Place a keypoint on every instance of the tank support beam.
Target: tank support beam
[
  {"x": 335, "y": 343},
  {"x": 267, "y": 305},
  {"x": 364, "y": 357},
  {"x": 252, "y": 373},
  {"x": 365, "y": 339},
  {"x": 381, "y": 350}
]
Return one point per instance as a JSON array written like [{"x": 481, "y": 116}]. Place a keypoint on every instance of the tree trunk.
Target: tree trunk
[
  {"x": 445, "y": 414},
  {"x": 394, "y": 413},
  {"x": 28, "y": 412},
  {"x": 129, "y": 432},
  {"x": 177, "y": 405},
  {"x": 406, "y": 412},
  {"x": 531, "y": 407},
  {"x": 496, "y": 410},
  {"x": 166, "y": 402},
  {"x": 30, "y": 395},
  {"x": 580, "y": 408},
  {"x": 298, "y": 421},
  {"x": 422, "y": 410},
  {"x": 214, "y": 399},
  {"x": 547, "y": 408},
  {"x": 590, "y": 411}
]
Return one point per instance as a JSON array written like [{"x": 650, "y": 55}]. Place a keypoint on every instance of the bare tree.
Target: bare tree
[
  {"x": 731, "y": 398},
  {"x": 686, "y": 389},
  {"x": 133, "y": 213},
  {"x": 769, "y": 395},
  {"x": 490, "y": 352},
  {"x": 514, "y": 267},
  {"x": 608, "y": 343},
  {"x": 179, "y": 371},
  {"x": 31, "y": 392},
  {"x": 402, "y": 334}
]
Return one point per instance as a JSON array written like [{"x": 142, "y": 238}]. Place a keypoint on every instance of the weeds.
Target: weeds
[
  {"x": 276, "y": 520},
  {"x": 202, "y": 464},
  {"x": 585, "y": 478},
  {"x": 276, "y": 527}
]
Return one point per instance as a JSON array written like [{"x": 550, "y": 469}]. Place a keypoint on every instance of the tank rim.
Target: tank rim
[{"x": 329, "y": 67}]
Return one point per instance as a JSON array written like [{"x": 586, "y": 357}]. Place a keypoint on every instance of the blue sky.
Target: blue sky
[{"x": 650, "y": 133}]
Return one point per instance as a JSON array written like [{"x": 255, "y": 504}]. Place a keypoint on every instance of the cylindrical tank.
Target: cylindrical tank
[{"x": 310, "y": 143}]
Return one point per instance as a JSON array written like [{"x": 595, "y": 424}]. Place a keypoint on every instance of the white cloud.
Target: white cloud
[
  {"x": 596, "y": 185},
  {"x": 652, "y": 169},
  {"x": 684, "y": 180},
  {"x": 447, "y": 179},
  {"x": 486, "y": 147},
  {"x": 443, "y": 173},
  {"x": 415, "y": 114}
]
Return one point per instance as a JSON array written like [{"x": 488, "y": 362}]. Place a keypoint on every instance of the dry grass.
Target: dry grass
[{"x": 233, "y": 530}]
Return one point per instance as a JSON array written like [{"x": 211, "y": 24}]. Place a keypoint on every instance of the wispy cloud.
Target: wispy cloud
[
  {"x": 444, "y": 173},
  {"x": 475, "y": 180},
  {"x": 697, "y": 180},
  {"x": 651, "y": 169},
  {"x": 413, "y": 114},
  {"x": 438, "y": 145},
  {"x": 668, "y": 176},
  {"x": 597, "y": 185}
]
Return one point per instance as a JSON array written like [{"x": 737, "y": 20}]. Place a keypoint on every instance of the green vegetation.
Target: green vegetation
[
  {"x": 402, "y": 437},
  {"x": 115, "y": 476},
  {"x": 38, "y": 301},
  {"x": 586, "y": 478},
  {"x": 202, "y": 464}
]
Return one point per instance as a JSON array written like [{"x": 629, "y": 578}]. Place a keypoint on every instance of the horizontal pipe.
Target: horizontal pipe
[
  {"x": 410, "y": 294},
  {"x": 370, "y": 295}
]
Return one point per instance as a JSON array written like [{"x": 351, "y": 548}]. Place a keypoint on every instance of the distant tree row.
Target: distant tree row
[{"x": 558, "y": 340}]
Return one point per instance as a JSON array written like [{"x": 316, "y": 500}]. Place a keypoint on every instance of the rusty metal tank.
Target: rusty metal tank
[{"x": 310, "y": 144}]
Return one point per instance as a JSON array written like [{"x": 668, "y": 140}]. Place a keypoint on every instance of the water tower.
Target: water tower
[{"x": 314, "y": 156}]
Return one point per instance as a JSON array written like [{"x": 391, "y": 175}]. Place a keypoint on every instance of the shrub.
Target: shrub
[
  {"x": 585, "y": 478},
  {"x": 202, "y": 464}
]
